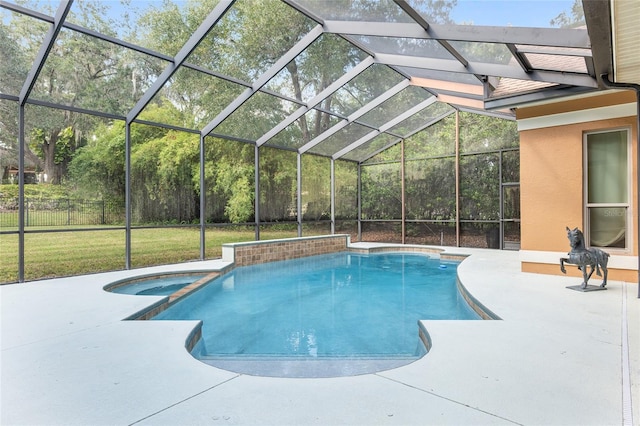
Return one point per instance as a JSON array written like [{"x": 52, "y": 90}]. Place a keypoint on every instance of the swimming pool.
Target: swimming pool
[{"x": 342, "y": 309}]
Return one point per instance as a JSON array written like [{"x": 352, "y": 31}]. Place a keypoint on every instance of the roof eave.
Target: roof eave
[
  {"x": 524, "y": 99},
  {"x": 597, "y": 15}
]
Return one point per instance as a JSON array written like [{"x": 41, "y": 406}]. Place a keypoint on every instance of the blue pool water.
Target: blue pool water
[{"x": 334, "y": 306}]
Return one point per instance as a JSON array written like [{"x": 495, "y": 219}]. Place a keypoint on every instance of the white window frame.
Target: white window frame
[{"x": 629, "y": 233}]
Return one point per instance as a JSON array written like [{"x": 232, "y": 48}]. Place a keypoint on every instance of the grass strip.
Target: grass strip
[{"x": 60, "y": 254}]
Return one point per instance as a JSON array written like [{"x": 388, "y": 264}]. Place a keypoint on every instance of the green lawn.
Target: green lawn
[{"x": 57, "y": 254}]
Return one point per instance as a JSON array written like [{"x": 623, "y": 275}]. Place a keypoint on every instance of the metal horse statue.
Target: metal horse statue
[{"x": 584, "y": 257}]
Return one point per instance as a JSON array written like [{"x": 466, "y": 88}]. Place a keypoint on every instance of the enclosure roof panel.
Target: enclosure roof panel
[
  {"x": 17, "y": 54},
  {"x": 323, "y": 77},
  {"x": 348, "y": 10}
]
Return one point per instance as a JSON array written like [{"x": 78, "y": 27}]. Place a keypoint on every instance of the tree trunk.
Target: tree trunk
[
  {"x": 295, "y": 79},
  {"x": 53, "y": 172}
]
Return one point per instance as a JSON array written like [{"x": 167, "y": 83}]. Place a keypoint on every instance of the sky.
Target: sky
[{"x": 516, "y": 13}]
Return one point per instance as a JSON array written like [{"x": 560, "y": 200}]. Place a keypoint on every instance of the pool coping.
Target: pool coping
[
  {"x": 290, "y": 244},
  {"x": 196, "y": 334},
  {"x": 554, "y": 359}
]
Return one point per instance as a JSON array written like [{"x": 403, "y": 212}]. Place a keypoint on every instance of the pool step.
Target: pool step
[{"x": 307, "y": 367}]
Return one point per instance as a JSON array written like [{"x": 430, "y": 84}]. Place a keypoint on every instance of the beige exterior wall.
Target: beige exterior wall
[{"x": 551, "y": 176}]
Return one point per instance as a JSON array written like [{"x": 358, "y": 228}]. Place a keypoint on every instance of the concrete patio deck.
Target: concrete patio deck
[{"x": 557, "y": 357}]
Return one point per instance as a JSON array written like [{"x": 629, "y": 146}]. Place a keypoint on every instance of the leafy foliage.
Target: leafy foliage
[
  {"x": 98, "y": 167},
  {"x": 570, "y": 19},
  {"x": 430, "y": 172},
  {"x": 89, "y": 153}
]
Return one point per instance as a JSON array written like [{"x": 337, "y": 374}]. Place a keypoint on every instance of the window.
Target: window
[{"x": 607, "y": 189}]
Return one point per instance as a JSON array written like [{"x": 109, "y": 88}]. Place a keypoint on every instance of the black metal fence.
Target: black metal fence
[{"x": 60, "y": 212}]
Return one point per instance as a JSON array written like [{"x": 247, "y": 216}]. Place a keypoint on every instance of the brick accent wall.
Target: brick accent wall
[{"x": 250, "y": 253}]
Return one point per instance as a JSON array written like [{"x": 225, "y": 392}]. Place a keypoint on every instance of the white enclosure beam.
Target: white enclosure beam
[
  {"x": 264, "y": 78},
  {"x": 198, "y": 35},
  {"x": 359, "y": 113},
  {"x": 354, "y": 72},
  {"x": 386, "y": 126}
]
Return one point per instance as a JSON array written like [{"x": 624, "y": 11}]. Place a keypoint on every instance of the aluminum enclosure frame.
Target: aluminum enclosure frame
[{"x": 519, "y": 42}]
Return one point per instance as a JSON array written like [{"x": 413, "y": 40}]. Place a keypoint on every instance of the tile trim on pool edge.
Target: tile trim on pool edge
[{"x": 161, "y": 305}]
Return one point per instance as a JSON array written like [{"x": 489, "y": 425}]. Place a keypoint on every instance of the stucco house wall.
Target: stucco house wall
[{"x": 551, "y": 178}]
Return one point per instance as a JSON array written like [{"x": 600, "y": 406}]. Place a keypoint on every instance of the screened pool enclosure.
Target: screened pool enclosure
[{"x": 388, "y": 120}]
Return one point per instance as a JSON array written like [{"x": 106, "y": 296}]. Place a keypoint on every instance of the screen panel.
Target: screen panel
[
  {"x": 9, "y": 258},
  {"x": 229, "y": 181},
  {"x": 430, "y": 189},
  {"x": 480, "y": 187},
  {"x": 431, "y": 233},
  {"x": 316, "y": 188},
  {"x": 164, "y": 245},
  {"x": 61, "y": 254},
  {"x": 384, "y": 232},
  {"x": 381, "y": 191},
  {"x": 278, "y": 185},
  {"x": 164, "y": 176}
]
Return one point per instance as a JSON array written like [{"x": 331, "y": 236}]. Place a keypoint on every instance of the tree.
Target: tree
[
  {"x": 97, "y": 170},
  {"x": 277, "y": 184},
  {"x": 55, "y": 150},
  {"x": 481, "y": 133},
  {"x": 436, "y": 11},
  {"x": 381, "y": 191},
  {"x": 164, "y": 169},
  {"x": 80, "y": 71},
  {"x": 430, "y": 189},
  {"x": 251, "y": 37},
  {"x": 14, "y": 67},
  {"x": 430, "y": 171},
  {"x": 316, "y": 187},
  {"x": 570, "y": 19},
  {"x": 229, "y": 177},
  {"x": 162, "y": 184},
  {"x": 245, "y": 43}
]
